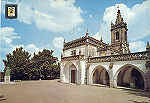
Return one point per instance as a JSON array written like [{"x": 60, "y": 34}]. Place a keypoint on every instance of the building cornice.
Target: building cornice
[
  {"x": 76, "y": 57},
  {"x": 122, "y": 57}
]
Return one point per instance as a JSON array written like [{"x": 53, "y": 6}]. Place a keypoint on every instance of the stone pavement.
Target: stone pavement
[{"x": 52, "y": 91}]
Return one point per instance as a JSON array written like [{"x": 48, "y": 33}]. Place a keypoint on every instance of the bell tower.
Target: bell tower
[{"x": 119, "y": 35}]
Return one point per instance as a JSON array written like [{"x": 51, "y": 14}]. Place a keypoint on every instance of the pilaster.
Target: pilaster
[
  {"x": 111, "y": 81},
  {"x": 147, "y": 74},
  {"x": 147, "y": 77}
]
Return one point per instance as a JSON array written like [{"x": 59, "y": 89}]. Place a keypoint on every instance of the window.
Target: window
[
  {"x": 125, "y": 35},
  {"x": 91, "y": 52},
  {"x": 73, "y": 53},
  {"x": 79, "y": 52},
  {"x": 117, "y": 35}
]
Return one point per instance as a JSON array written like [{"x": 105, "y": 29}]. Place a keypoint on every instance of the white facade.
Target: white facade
[
  {"x": 85, "y": 69},
  {"x": 90, "y": 61}
]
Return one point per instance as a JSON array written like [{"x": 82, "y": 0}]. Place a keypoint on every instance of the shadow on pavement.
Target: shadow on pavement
[
  {"x": 2, "y": 98},
  {"x": 137, "y": 101},
  {"x": 136, "y": 92}
]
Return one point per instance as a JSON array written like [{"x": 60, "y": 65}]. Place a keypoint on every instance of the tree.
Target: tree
[
  {"x": 42, "y": 65},
  {"x": 45, "y": 55},
  {"x": 17, "y": 62},
  {"x": 46, "y": 63}
]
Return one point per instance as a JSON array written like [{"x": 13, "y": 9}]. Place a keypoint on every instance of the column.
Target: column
[
  {"x": 79, "y": 73},
  {"x": 147, "y": 77},
  {"x": 112, "y": 81},
  {"x": 104, "y": 77},
  {"x": 86, "y": 75},
  {"x": 61, "y": 73}
]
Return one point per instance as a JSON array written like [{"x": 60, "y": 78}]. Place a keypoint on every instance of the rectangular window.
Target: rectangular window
[
  {"x": 125, "y": 35},
  {"x": 73, "y": 53}
]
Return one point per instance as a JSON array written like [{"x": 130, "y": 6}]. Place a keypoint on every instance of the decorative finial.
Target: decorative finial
[
  {"x": 101, "y": 39},
  {"x": 61, "y": 55},
  {"x": 119, "y": 18},
  {"x": 118, "y": 9},
  {"x": 87, "y": 33},
  {"x": 129, "y": 50},
  {"x": 147, "y": 47},
  {"x": 112, "y": 24},
  {"x": 118, "y": 6},
  {"x": 64, "y": 41}
]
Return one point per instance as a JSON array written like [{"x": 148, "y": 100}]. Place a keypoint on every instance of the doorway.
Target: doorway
[{"x": 73, "y": 76}]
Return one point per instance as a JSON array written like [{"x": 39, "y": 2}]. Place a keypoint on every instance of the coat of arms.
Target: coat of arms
[{"x": 11, "y": 11}]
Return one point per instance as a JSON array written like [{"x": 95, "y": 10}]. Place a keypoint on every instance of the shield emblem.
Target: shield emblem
[{"x": 11, "y": 11}]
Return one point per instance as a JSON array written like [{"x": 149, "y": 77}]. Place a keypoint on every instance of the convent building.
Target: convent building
[{"x": 90, "y": 61}]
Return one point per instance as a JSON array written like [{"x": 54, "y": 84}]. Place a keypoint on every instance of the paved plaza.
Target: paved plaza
[{"x": 52, "y": 91}]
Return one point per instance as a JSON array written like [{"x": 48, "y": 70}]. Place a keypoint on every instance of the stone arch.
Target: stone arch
[
  {"x": 70, "y": 73},
  {"x": 100, "y": 75},
  {"x": 69, "y": 63},
  {"x": 129, "y": 76}
]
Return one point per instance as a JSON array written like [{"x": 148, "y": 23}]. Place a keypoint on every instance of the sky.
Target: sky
[{"x": 46, "y": 23}]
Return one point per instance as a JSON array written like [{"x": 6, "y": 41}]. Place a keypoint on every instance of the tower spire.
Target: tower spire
[
  {"x": 119, "y": 18},
  {"x": 119, "y": 38}
]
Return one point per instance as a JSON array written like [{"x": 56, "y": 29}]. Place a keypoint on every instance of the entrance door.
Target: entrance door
[{"x": 73, "y": 76}]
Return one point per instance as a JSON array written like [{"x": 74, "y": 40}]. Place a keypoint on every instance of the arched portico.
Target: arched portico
[
  {"x": 70, "y": 73},
  {"x": 129, "y": 76},
  {"x": 100, "y": 76}
]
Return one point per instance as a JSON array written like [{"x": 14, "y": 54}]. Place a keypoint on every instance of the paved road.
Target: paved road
[{"x": 52, "y": 91}]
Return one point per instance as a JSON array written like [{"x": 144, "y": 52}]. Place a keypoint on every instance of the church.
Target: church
[{"x": 90, "y": 61}]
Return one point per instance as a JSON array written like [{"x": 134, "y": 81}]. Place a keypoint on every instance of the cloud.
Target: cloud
[
  {"x": 52, "y": 15},
  {"x": 137, "y": 18},
  {"x": 7, "y": 35},
  {"x": 31, "y": 48},
  {"x": 97, "y": 36},
  {"x": 58, "y": 42},
  {"x": 90, "y": 16},
  {"x": 0, "y": 8},
  {"x": 137, "y": 46}
]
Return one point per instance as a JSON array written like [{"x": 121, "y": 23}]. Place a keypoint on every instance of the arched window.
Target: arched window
[{"x": 117, "y": 35}]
